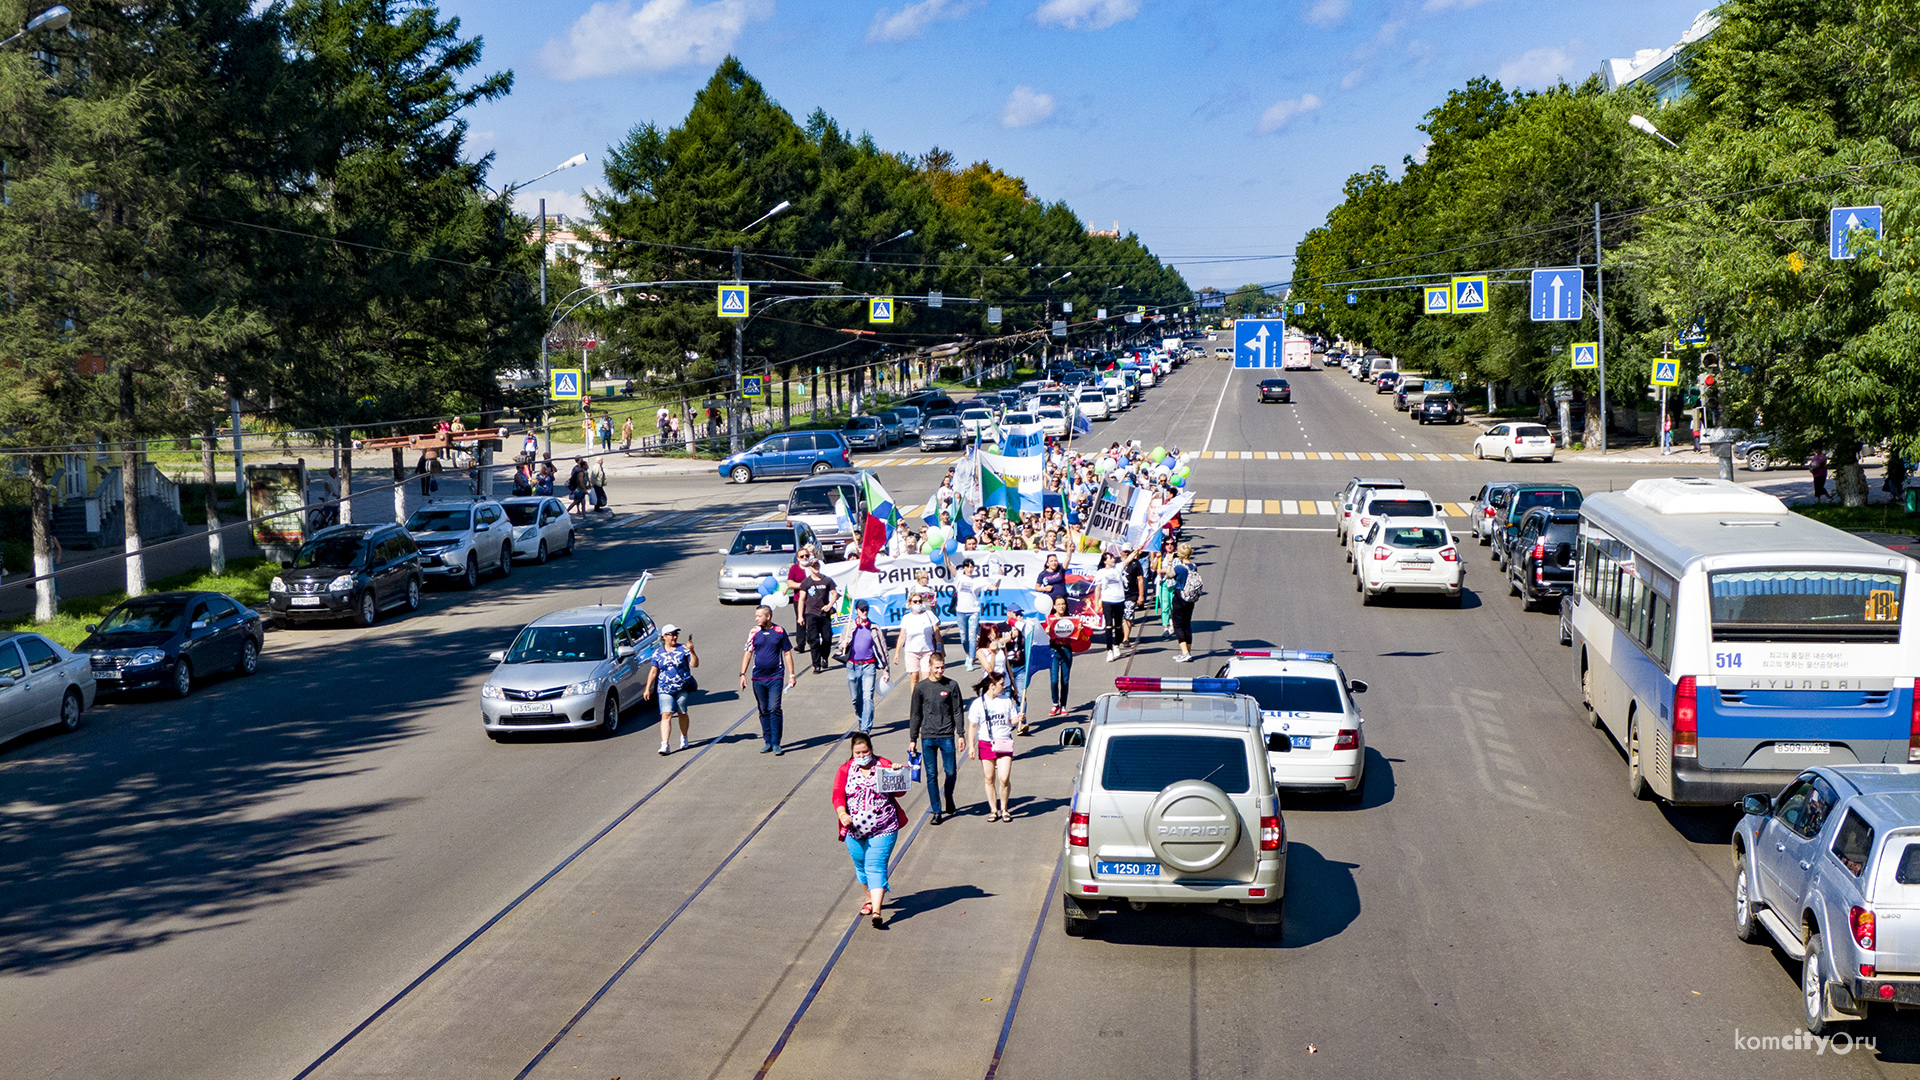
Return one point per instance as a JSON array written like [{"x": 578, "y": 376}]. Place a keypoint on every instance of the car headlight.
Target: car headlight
[
  {"x": 343, "y": 583},
  {"x": 524, "y": 532},
  {"x": 147, "y": 658},
  {"x": 489, "y": 691},
  {"x": 276, "y": 586},
  {"x": 589, "y": 686}
]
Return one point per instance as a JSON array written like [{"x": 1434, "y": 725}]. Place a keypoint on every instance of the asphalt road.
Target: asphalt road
[{"x": 327, "y": 870}]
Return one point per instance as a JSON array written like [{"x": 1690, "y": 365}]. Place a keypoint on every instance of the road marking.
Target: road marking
[
  {"x": 1289, "y": 506},
  {"x": 1236, "y": 506},
  {"x": 1208, "y": 442}
]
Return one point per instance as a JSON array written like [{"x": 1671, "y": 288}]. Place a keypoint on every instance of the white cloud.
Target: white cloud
[
  {"x": 912, "y": 20},
  {"x": 1421, "y": 52},
  {"x": 1540, "y": 67},
  {"x": 1025, "y": 108},
  {"x": 1438, "y": 6},
  {"x": 1281, "y": 113},
  {"x": 1354, "y": 78},
  {"x": 1085, "y": 14},
  {"x": 571, "y": 203},
  {"x": 614, "y": 39},
  {"x": 1327, "y": 12}
]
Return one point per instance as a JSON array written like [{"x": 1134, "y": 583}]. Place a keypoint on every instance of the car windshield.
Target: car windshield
[
  {"x": 764, "y": 541},
  {"x": 907, "y": 411},
  {"x": 943, "y": 421},
  {"x": 817, "y": 499},
  {"x": 976, "y": 414},
  {"x": 1019, "y": 418},
  {"x": 1531, "y": 431},
  {"x": 523, "y": 513},
  {"x": 1050, "y": 412},
  {"x": 1293, "y": 693},
  {"x": 1151, "y": 762},
  {"x": 439, "y": 520},
  {"x": 559, "y": 644},
  {"x": 329, "y": 551},
  {"x": 137, "y": 617},
  {"x": 1092, "y": 395},
  {"x": 1415, "y": 537},
  {"x": 1400, "y": 508},
  {"x": 860, "y": 422}
]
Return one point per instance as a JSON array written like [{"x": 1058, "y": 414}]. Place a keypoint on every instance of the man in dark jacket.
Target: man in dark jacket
[{"x": 935, "y": 726}]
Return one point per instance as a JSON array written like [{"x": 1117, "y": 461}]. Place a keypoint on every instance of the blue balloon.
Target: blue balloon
[
  {"x": 1179, "y": 481},
  {"x": 939, "y": 556}
]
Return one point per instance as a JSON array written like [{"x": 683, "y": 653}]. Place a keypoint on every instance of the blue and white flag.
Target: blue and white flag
[{"x": 636, "y": 595}]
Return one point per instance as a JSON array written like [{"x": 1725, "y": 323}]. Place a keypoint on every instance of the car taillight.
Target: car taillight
[
  {"x": 1077, "y": 830},
  {"x": 1271, "y": 833},
  {"x": 1686, "y": 719},
  {"x": 1380, "y": 554},
  {"x": 1862, "y": 922},
  {"x": 1539, "y": 550},
  {"x": 1450, "y": 554},
  {"x": 1489, "y": 511},
  {"x": 1348, "y": 739}
]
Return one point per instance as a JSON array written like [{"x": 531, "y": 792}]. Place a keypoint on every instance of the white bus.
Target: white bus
[{"x": 1727, "y": 643}]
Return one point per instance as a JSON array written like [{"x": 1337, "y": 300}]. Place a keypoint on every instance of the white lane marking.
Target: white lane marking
[
  {"x": 1216, "y": 409},
  {"x": 1252, "y": 528}
]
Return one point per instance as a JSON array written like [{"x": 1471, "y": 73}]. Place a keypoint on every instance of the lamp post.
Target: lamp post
[
  {"x": 54, "y": 18},
  {"x": 735, "y": 443},
  {"x": 546, "y": 419}
]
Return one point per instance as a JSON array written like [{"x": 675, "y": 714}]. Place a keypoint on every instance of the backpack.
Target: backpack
[{"x": 1194, "y": 586}]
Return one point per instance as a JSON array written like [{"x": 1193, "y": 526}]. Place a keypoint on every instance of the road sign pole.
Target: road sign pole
[
  {"x": 1600, "y": 324},
  {"x": 546, "y": 380},
  {"x": 734, "y": 443}
]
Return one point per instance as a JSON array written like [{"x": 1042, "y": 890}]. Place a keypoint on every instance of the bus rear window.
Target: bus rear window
[{"x": 1806, "y": 604}]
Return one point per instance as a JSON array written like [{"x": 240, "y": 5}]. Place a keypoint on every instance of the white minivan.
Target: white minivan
[{"x": 1093, "y": 404}]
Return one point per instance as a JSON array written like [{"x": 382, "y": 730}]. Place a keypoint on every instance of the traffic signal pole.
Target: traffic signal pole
[{"x": 1600, "y": 324}]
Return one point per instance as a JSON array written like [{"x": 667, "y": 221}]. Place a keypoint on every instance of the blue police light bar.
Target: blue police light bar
[
  {"x": 1283, "y": 654},
  {"x": 1148, "y": 684}
]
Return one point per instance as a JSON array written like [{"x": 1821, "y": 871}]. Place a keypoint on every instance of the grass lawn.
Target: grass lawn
[
  {"x": 1874, "y": 517},
  {"x": 245, "y": 580}
]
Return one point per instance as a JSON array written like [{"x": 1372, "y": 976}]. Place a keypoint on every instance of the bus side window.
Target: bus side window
[{"x": 1661, "y": 641}]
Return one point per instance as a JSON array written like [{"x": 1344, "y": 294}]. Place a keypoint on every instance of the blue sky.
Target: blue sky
[{"x": 1218, "y": 130}]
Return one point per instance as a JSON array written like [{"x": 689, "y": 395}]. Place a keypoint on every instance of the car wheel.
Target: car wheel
[
  {"x": 820, "y": 467},
  {"x": 1513, "y": 588},
  {"x": 1586, "y": 696},
  {"x": 1636, "y": 779},
  {"x": 1566, "y": 629},
  {"x": 505, "y": 569},
  {"x": 1548, "y": 459},
  {"x": 1745, "y": 926},
  {"x": 1479, "y": 451},
  {"x": 182, "y": 678},
  {"x": 740, "y": 474},
  {"x": 540, "y": 555},
  {"x": 70, "y": 711},
  {"x": 610, "y": 718},
  {"x": 471, "y": 579},
  {"x": 1758, "y": 461},
  {"x": 1507, "y": 455},
  {"x": 1813, "y": 987},
  {"x": 249, "y": 658},
  {"x": 365, "y": 612},
  {"x": 1458, "y": 599},
  {"x": 413, "y": 597},
  {"x": 569, "y": 547}
]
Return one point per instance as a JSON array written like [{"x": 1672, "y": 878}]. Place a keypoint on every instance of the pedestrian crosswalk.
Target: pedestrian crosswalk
[
  {"x": 1329, "y": 455},
  {"x": 910, "y": 459},
  {"x": 1293, "y": 508}
]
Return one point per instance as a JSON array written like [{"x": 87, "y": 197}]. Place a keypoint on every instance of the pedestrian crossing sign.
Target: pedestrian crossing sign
[
  {"x": 880, "y": 309},
  {"x": 1439, "y": 300},
  {"x": 564, "y": 384},
  {"x": 1586, "y": 354},
  {"x": 753, "y": 387},
  {"x": 1666, "y": 373},
  {"x": 1469, "y": 295},
  {"x": 733, "y": 301}
]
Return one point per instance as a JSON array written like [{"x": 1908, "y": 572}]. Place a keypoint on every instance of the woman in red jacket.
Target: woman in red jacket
[{"x": 869, "y": 821}]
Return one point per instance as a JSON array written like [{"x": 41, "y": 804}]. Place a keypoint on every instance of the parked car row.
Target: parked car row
[{"x": 1531, "y": 532}]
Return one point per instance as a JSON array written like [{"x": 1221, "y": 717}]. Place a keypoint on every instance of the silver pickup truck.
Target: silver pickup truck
[{"x": 1830, "y": 869}]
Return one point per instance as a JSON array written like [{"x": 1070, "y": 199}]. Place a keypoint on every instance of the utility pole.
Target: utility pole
[
  {"x": 1600, "y": 323},
  {"x": 546, "y": 380},
  {"x": 734, "y": 442}
]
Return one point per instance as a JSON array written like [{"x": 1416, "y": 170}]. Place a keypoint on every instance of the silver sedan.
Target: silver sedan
[
  {"x": 760, "y": 551},
  {"x": 41, "y": 685},
  {"x": 569, "y": 670}
]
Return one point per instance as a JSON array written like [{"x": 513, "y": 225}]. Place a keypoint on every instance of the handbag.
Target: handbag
[
  {"x": 1002, "y": 746},
  {"x": 913, "y": 765}
]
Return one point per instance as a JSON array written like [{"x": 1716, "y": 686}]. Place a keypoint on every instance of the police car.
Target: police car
[{"x": 1316, "y": 739}]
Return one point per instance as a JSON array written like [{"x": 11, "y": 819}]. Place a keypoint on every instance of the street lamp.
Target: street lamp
[
  {"x": 734, "y": 442},
  {"x": 54, "y": 18},
  {"x": 546, "y": 378},
  {"x": 1646, "y": 125}
]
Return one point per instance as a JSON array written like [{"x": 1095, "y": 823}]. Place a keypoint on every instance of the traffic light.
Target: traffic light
[{"x": 1710, "y": 395}]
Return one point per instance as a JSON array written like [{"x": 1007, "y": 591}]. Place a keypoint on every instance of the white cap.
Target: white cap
[{"x": 669, "y": 629}]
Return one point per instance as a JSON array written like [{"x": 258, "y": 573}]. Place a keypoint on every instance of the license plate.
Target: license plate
[
  {"x": 1301, "y": 742},
  {"x": 305, "y": 601},
  {"x": 1800, "y": 748},
  {"x": 531, "y": 708},
  {"x": 1127, "y": 869},
  {"x": 108, "y": 675}
]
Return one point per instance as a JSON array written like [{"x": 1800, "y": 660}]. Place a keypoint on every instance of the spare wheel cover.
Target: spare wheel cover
[{"x": 1192, "y": 826}]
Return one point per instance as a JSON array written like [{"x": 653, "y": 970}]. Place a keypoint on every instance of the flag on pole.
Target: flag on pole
[
  {"x": 842, "y": 520},
  {"x": 995, "y": 491},
  {"x": 636, "y": 594},
  {"x": 880, "y": 504}
]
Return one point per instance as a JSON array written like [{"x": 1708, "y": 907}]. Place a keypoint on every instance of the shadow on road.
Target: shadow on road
[
  {"x": 906, "y": 906},
  {"x": 1322, "y": 901}
]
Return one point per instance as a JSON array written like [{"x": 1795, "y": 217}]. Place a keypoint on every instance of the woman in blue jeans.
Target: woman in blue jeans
[{"x": 869, "y": 821}]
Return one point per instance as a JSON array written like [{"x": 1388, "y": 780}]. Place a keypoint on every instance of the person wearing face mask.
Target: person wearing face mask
[
  {"x": 869, "y": 821},
  {"x": 966, "y": 603}
]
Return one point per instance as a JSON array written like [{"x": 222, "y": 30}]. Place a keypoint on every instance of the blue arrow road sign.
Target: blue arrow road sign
[
  {"x": 1843, "y": 221},
  {"x": 1557, "y": 294},
  {"x": 1299, "y": 309},
  {"x": 1353, "y": 298},
  {"x": 1257, "y": 342}
]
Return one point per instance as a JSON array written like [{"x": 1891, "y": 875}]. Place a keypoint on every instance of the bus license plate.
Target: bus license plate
[
  {"x": 531, "y": 708},
  {"x": 1800, "y": 748},
  {"x": 1301, "y": 742},
  {"x": 1127, "y": 869}
]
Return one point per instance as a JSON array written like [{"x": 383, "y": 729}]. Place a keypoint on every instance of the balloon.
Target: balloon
[
  {"x": 1179, "y": 481},
  {"x": 928, "y": 547},
  {"x": 938, "y": 556},
  {"x": 1183, "y": 472},
  {"x": 1103, "y": 466},
  {"x": 936, "y": 536},
  {"x": 1159, "y": 454}
]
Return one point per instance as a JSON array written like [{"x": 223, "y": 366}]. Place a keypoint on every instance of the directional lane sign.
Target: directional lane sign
[
  {"x": 1557, "y": 294},
  {"x": 1299, "y": 309},
  {"x": 1841, "y": 224},
  {"x": 753, "y": 387},
  {"x": 1256, "y": 342},
  {"x": 733, "y": 301},
  {"x": 1439, "y": 300},
  {"x": 1586, "y": 354},
  {"x": 564, "y": 384},
  {"x": 1666, "y": 373},
  {"x": 880, "y": 309},
  {"x": 1469, "y": 295},
  {"x": 1353, "y": 298}
]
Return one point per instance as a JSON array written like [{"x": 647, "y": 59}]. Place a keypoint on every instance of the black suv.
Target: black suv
[
  {"x": 1275, "y": 390},
  {"x": 1439, "y": 409},
  {"x": 355, "y": 571},
  {"x": 1526, "y": 497},
  {"x": 1540, "y": 562}
]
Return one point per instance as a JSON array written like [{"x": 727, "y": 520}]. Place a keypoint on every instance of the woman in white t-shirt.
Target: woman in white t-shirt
[
  {"x": 1110, "y": 579},
  {"x": 967, "y": 588},
  {"x": 990, "y": 722}
]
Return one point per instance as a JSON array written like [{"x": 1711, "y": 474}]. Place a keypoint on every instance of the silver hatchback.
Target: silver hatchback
[
  {"x": 759, "y": 551},
  {"x": 568, "y": 671}
]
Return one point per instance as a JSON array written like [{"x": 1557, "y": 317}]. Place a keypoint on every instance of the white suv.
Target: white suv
[
  {"x": 459, "y": 539},
  {"x": 1377, "y": 503},
  {"x": 1307, "y": 701},
  {"x": 1409, "y": 555},
  {"x": 1174, "y": 804}
]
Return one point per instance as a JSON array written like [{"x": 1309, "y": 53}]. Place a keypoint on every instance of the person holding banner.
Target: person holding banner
[
  {"x": 1065, "y": 636},
  {"x": 919, "y": 639},
  {"x": 990, "y": 732}
]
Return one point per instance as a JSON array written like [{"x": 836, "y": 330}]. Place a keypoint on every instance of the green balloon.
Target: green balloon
[{"x": 1159, "y": 454}]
